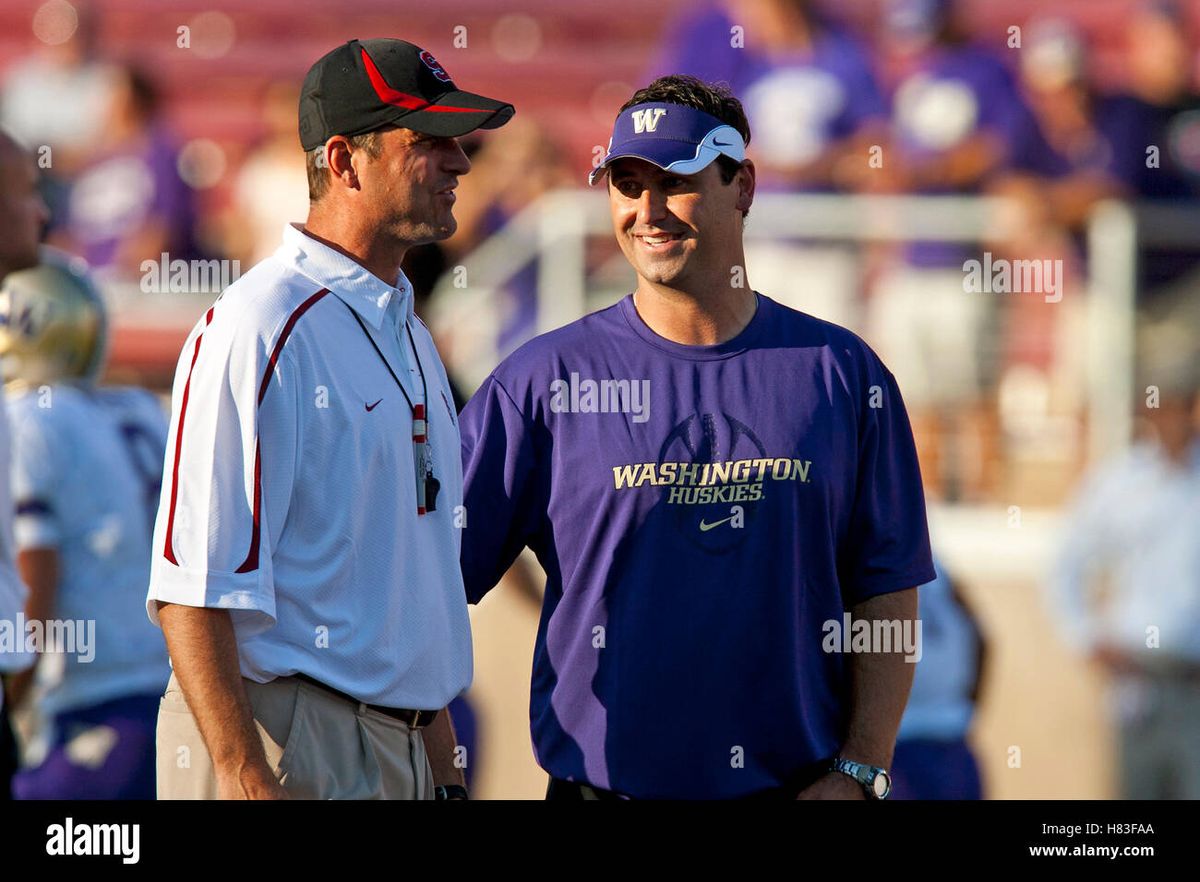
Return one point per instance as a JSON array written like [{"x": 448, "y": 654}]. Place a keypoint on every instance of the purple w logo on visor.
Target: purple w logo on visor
[{"x": 676, "y": 138}]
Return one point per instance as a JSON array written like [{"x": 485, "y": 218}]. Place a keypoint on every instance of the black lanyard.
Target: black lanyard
[{"x": 427, "y": 485}]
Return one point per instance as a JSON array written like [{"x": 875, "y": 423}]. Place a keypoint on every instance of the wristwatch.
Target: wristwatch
[
  {"x": 874, "y": 780},
  {"x": 444, "y": 792}
]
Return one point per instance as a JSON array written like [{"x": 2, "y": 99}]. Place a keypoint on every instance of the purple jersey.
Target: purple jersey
[
  {"x": 701, "y": 512},
  {"x": 1173, "y": 128},
  {"x": 123, "y": 190},
  {"x": 700, "y": 43},
  {"x": 802, "y": 102},
  {"x": 956, "y": 93},
  {"x": 1113, "y": 150}
]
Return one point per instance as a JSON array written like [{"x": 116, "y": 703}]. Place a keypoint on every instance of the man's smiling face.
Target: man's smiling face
[{"x": 675, "y": 229}]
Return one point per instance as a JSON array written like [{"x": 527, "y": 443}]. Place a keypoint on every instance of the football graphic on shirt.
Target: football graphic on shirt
[{"x": 706, "y": 505}]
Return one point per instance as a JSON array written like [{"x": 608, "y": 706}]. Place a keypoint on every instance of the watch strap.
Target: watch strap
[{"x": 864, "y": 774}]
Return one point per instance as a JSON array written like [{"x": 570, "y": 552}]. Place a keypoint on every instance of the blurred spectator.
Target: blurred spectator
[
  {"x": 86, "y": 467},
  {"x": 511, "y": 170},
  {"x": 1074, "y": 153},
  {"x": 956, "y": 116},
  {"x": 129, "y": 203},
  {"x": 1126, "y": 587},
  {"x": 956, "y": 110},
  {"x": 1159, "y": 107},
  {"x": 701, "y": 42},
  {"x": 59, "y": 96},
  {"x": 933, "y": 759},
  {"x": 271, "y": 189},
  {"x": 22, "y": 216},
  {"x": 1070, "y": 155},
  {"x": 806, "y": 83},
  {"x": 1161, "y": 112},
  {"x": 815, "y": 107}
]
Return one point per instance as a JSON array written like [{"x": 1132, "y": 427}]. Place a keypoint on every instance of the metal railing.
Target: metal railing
[{"x": 555, "y": 231}]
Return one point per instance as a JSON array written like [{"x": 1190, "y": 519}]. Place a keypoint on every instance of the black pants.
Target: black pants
[
  {"x": 8, "y": 755},
  {"x": 571, "y": 791}
]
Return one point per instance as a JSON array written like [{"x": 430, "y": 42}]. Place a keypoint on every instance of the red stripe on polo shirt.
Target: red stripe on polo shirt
[
  {"x": 169, "y": 551},
  {"x": 251, "y": 562}
]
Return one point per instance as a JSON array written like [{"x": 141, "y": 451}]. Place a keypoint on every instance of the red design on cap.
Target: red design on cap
[{"x": 388, "y": 95}]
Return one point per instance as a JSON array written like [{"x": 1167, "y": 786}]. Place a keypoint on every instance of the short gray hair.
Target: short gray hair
[{"x": 370, "y": 143}]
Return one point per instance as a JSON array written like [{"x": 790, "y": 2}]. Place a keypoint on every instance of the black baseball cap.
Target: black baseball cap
[{"x": 364, "y": 85}]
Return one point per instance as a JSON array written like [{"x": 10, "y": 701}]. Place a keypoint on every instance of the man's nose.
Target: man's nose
[
  {"x": 651, "y": 206},
  {"x": 458, "y": 162}
]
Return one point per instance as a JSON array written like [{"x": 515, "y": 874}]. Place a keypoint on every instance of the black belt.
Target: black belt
[
  {"x": 415, "y": 719},
  {"x": 574, "y": 791}
]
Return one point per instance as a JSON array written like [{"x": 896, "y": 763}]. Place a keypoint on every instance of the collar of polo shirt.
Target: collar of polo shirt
[{"x": 365, "y": 293}]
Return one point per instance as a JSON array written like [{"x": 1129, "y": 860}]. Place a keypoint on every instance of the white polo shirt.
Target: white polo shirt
[{"x": 289, "y": 490}]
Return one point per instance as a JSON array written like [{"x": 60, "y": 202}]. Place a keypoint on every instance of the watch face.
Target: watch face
[{"x": 882, "y": 785}]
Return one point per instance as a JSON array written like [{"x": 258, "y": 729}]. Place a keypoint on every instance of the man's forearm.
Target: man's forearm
[
  {"x": 204, "y": 655},
  {"x": 879, "y": 682},
  {"x": 440, "y": 742},
  {"x": 39, "y": 571}
]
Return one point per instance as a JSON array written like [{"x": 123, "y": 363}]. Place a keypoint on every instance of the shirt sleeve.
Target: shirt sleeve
[
  {"x": 498, "y": 487},
  {"x": 886, "y": 547},
  {"x": 38, "y": 462},
  {"x": 228, "y": 474},
  {"x": 1086, "y": 551}
]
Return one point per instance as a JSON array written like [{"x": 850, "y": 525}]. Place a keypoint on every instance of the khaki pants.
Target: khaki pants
[
  {"x": 318, "y": 745},
  {"x": 1158, "y": 738}
]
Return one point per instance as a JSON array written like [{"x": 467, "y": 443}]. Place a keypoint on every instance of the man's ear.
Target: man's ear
[
  {"x": 745, "y": 182},
  {"x": 338, "y": 157}
]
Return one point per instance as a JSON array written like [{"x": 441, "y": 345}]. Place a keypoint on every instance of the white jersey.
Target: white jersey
[
  {"x": 940, "y": 705},
  {"x": 85, "y": 475},
  {"x": 12, "y": 591},
  {"x": 290, "y": 493}
]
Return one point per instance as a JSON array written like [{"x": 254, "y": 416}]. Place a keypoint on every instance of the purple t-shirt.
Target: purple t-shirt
[{"x": 697, "y": 530}]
